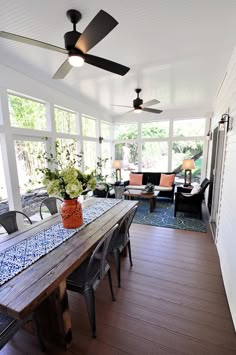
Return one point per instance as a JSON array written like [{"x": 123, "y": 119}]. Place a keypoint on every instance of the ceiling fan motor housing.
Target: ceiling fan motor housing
[
  {"x": 70, "y": 39},
  {"x": 137, "y": 102}
]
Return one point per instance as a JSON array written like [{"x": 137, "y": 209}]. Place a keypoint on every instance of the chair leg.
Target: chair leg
[
  {"x": 110, "y": 285},
  {"x": 117, "y": 263},
  {"x": 130, "y": 256},
  {"x": 90, "y": 303}
]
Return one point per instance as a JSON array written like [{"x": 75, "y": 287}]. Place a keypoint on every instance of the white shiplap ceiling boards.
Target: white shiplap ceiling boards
[{"x": 177, "y": 50}]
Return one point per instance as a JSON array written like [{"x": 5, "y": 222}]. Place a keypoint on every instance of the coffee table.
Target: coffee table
[{"x": 151, "y": 196}]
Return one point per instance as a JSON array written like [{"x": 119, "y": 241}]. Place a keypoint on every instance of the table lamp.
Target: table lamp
[
  {"x": 117, "y": 164},
  {"x": 188, "y": 165}
]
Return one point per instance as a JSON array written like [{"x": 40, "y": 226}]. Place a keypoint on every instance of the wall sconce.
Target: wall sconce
[
  {"x": 209, "y": 135},
  {"x": 226, "y": 123},
  {"x": 100, "y": 139}
]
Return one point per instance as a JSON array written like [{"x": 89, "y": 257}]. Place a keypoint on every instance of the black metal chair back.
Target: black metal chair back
[
  {"x": 127, "y": 223},
  {"x": 51, "y": 204},
  {"x": 99, "y": 256},
  {"x": 204, "y": 185},
  {"x": 123, "y": 229},
  {"x": 9, "y": 220}
]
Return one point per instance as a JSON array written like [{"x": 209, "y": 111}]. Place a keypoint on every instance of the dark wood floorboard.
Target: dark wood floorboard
[{"x": 171, "y": 302}]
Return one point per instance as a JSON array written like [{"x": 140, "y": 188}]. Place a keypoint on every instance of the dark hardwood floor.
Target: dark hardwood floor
[{"x": 171, "y": 302}]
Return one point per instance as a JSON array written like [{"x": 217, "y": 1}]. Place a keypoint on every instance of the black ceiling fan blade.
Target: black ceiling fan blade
[
  {"x": 152, "y": 110},
  {"x": 123, "y": 106},
  {"x": 106, "y": 64},
  {"x": 97, "y": 29},
  {"x": 63, "y": 70},
  {"x": 151, "y": 103},
  {"x": 32, "y": 42}
]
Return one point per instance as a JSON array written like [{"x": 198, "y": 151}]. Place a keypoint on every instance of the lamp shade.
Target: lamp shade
[
  {"x": 117, "y": 164},
  {"x": 188, "y": 164}
]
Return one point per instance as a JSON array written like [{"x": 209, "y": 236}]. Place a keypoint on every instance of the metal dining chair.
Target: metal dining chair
[
  {"x": 52, "y": 205},
  {"x": 8, "y": 325},
  {"x": 9, "y": 220},
  {"x": 87, "y": 276},
  {"x": 122, "y": 240}
]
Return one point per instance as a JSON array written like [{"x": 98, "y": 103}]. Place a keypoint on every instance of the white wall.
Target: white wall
[
  {"x": 226, "y": 231},
  {"x": 15, "y": 81}
]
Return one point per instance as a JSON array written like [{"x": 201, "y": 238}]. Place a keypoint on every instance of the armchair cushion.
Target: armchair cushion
[{"x": 196, "y": 189}]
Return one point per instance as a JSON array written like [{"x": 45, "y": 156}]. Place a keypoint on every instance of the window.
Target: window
[
  {"x": 126, "y": 131},
  {"x": 27, "y": 164},
  {"x": 106, "y": 154},
  {"x": 155, "y": 156},
  {"x": 106, "y": 130},
  {"x": 128, "y": 153},
  {"x": 187, "y": 150},
  {"x": 65, "y": 121},
  {"x": 67, "y": 150},
  {"x": 88, "y": 126},
  {"x": 26, "y": 113},
  {"x": 155, "y": 129},
  {"x": 90, "y": 155},
  {"x": 189, "y": 128},
  {"x": 106, "y": 150}
]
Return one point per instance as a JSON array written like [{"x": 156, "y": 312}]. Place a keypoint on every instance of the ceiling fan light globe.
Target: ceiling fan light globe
[
  {"x": 138, "y": 109},
  {"x": 76, "y": 60}
]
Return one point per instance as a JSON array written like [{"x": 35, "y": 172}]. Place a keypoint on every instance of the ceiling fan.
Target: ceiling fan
[
  {"x": 139, "y": 106},
  {"x": 78, "y": 44}
]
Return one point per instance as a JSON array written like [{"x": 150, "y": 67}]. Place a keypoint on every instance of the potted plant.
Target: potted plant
[
  {"x": 67, "y": 182},
  {"x": 149, "y": 188},
  {"x": 102, "y": 185}
]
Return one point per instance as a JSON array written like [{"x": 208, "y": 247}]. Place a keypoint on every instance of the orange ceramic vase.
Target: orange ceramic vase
[{"x": 71, "y": 213}]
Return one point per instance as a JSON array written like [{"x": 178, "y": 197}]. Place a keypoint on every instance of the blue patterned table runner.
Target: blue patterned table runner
[{"x": 23, "y": 254}]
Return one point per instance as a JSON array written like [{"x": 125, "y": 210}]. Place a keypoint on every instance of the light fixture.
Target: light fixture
[
  {"x": 224, "y": 122},
  {"x": 188, "y": 165},
  {"x": 209, "y": 135},
  {"x": 138, "y": 109},
  {"x": 76, "y": 60},
  {"x": 117, "y": 164}
]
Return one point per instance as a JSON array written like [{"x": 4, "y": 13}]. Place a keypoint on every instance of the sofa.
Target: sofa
[{"x": 154, "y": 178}]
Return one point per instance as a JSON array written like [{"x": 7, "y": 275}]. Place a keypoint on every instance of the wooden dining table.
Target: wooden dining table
[{"x": 41, "y": 288}]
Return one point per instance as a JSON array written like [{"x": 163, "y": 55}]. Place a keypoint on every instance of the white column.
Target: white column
[
  {"x": 50, "y": 143},
  {"x": 170, "y": 143},
  {"x": 81, "y": 139},
  {"x": 139, "y": 147},
  {"x": 9, "y": 157}
]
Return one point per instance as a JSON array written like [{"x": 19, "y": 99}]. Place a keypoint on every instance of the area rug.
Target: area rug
[{"x": 163, "y": 216}]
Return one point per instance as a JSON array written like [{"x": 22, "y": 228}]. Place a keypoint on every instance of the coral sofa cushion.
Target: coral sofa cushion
[
  {"x": 135, "y": 179},
  {"x": 167, "y": 180}
]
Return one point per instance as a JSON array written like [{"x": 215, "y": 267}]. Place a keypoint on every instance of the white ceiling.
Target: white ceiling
[{"x": 177, "y": 50}]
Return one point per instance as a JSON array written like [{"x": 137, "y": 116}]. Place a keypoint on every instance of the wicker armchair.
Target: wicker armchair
[{"x": 191, "y": 203}]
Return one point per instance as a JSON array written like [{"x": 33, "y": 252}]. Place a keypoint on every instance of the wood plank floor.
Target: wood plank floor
[{"x": 171, "y": 302}]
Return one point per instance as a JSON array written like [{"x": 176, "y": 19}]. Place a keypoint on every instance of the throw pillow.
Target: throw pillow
[
  {"x": 195, "y": 190},
  {"x": 136, "y": 179},
  {"x": 167, "y": 180}
]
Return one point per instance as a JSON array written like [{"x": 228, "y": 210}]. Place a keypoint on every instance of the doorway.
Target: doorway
[{"x": 218, "y": 145}]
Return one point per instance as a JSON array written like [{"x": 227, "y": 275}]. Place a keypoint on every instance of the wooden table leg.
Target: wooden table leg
[
  {"x": 152, "y": 204},
  {"x": 53, "y": 317}
]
